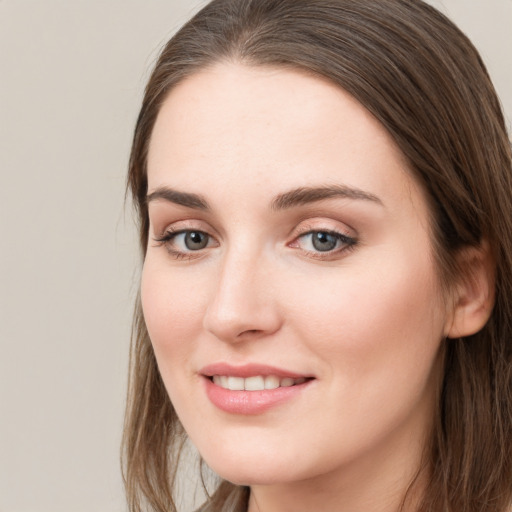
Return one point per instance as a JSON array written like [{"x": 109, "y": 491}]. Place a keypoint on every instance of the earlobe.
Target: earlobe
[{"x": 474, "y": 292}]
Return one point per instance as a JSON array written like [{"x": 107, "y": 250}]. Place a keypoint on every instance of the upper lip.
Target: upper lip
[{"x": 248, "y": 370}]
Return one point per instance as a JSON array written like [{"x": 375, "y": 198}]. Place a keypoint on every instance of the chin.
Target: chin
[
  {"x": 262, "y": 475},
  {"x": 255, "y": 468},
  {"x": 241, "y": 471}
]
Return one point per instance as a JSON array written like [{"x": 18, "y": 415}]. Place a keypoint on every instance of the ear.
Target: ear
[{"x": 473, "y": 297}]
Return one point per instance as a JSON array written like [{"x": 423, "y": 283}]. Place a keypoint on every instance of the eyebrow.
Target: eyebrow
[
  {"x": 306, "y": 195},
  {"x": 182, "y": 198},
  {"x": 296, "y": 197}
]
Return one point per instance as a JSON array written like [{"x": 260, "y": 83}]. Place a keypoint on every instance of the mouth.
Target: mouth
[
  {"x": 256, "y": 382},
  {"x": 253, "y": 388}
]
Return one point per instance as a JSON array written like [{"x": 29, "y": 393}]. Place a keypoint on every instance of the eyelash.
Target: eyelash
[
  {"x": 170, "y": 234},
  {"x": 348, "y": 243}
]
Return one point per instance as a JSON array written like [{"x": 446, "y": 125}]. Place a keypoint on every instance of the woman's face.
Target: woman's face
[{"x": 289, "y": 249}]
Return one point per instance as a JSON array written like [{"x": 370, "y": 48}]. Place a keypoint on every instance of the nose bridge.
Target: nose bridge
[{"x": 241, "y": 304}]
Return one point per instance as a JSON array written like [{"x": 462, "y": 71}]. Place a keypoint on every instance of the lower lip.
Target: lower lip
[{"x": 251, "y": 402}]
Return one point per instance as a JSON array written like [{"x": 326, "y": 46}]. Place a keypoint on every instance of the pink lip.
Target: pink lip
[
  {"x": 247, "y": 370},
  {"x": 249, "y": 402}
]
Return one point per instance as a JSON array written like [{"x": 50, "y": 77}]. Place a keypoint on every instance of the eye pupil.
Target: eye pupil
[
  {"x": 323, "y": 241},
  {"x": 195, "y": 240}
]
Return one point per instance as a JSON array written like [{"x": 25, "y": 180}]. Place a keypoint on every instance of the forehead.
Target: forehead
[{"x": 261, "y": 127}]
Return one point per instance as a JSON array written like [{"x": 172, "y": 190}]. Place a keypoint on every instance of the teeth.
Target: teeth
[
  {"x": 286, "y": 382},
  {"x": 271, "y": 382},
  {"x": 236, "y": 383},
  {"x": 256, "y": 383}
]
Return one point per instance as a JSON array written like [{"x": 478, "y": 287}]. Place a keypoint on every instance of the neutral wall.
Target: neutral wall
[{"x": 71, "y": 76}]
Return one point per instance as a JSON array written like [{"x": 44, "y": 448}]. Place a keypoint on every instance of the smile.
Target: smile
[{"x": 255, "y": 383}]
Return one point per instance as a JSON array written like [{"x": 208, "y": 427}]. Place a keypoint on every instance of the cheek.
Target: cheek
[
  {"x": 378, "y": 333},
  {"x": 173, "y": 311},
  {"x": 373, "y": 321}
]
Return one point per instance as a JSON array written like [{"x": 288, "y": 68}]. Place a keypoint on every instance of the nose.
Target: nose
[{"x": 243, "y": 305}]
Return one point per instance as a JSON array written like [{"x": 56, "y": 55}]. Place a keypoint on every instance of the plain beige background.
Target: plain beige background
[{"x": 71, "y": 77}]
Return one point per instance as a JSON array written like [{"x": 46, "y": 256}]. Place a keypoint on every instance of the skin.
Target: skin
[{"x": 367, "y": 320}]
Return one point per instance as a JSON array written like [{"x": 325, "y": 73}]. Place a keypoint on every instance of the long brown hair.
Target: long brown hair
[{"x": 424, "y": 81}]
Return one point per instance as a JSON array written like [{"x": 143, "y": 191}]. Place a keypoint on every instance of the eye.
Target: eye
[
  {"x": 323, "y": 241},
  {"x": 192, "y": 240},
  {"x": 326, "y": 242},
  {"x": 183, "y": 242}
]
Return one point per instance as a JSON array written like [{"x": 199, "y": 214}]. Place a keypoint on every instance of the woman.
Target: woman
[{"x": 323, "y": 189}]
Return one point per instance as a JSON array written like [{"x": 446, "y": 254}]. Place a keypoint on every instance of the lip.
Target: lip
[
  {"x": 248, "y": 370},
  {"x": 250, "y": 402}
]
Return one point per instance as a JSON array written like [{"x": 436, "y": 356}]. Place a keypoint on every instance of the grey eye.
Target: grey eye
[
  {"x": 323, "y": 241},
  {"x": 195, "y": 240}
]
